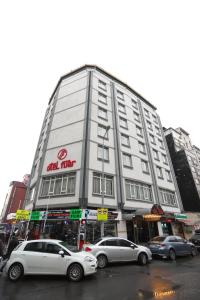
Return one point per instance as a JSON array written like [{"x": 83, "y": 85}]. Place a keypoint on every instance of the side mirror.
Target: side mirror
[
  {"x": 61, "y": 253},
  {"x": 185, "y": 241},
  {"x": 132, "y": 246}
]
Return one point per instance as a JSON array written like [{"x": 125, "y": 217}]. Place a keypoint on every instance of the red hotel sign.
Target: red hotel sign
[{"x": 61, "y": 165}]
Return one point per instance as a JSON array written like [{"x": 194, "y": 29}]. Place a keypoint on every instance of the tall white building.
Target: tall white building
[{"x": 76, "y": 146}]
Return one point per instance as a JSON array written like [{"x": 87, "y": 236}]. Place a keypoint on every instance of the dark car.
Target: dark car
[
  {"x": 171, "y": 246},
  {"x": 195, "y": 239}
]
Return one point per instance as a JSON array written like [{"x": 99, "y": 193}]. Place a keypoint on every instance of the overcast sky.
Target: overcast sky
[{"x": 153, "y": 46}]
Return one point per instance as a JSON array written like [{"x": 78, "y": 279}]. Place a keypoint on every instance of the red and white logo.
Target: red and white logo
[{"x": 62, "y": 154}]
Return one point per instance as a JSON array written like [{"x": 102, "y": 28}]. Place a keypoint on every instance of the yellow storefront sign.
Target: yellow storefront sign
[
  {"x": 22, "y": 214},
  {"x": 102, "y": 214}
]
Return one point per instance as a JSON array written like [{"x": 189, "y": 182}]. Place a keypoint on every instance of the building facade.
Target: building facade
[
  {"x": 102, "y": 146},
  {"x": 14, "y": 200},
  {"x": 186, "y": 161}
]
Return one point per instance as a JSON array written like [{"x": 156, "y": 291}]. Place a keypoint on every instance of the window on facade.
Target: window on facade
[
  {"x": 155, "y": 154},
  {"x": 155, "y": 119},
  {"x": 149, "y": 126},
  {"x": 102, "y": 132},
  {"x": 142, "y": 147},
  {"x": 168, "y": 198},
  {"x": 168, "y": 175},
  {"x": 120, "y": 95},
  {"x": 157, "y": 130},
  {"x": 102, "y": 85},
  {"x": 99, "y": 184},
  {"x": 159, "y": 172},
  {"x": 58, "y": 185},
  {"x": 136, "y": 116},
  {"x": 146, "y": 112},
  {"x": 139, "y": 131},
  {"x": 102, "y": 98},
  {"x": 121, "y": 108},
  {"x": 152, "y": 139},
  {"x": 102, "y": 113},
  {"x": 125, "y": 140},
  {"x": 123, "y": 123},
  {"x": 103, "y": 153},
  {"x": 145, "y": 166},
  {"x": 134, "y": 103},
  {"x": 164, "y": 158},
  {"x": 161, "y": 144},
  {"x": 32, "y": 194},
  {"x": 138, "y": 191},
  {"x": 127, "y": 160}
]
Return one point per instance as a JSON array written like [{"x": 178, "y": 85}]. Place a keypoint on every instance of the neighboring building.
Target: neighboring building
[
  {"x": 186, "y": 161},
  {"x": 14, "y": 199},
  {"x": 76, "y": 146}
]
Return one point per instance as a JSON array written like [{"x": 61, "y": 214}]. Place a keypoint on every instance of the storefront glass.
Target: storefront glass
[{"x": 93, "y": 230}]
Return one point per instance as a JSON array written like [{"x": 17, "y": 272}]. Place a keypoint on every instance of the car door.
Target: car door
[
  {"x": 176, "y": 244},
  {"x": 53, "y": 262},
  {"x": 112, "y": 249},
  {"x": 185, "y": 247},
  {"x": 128, "y": 251},
  {"x": 33, "y": 257}
]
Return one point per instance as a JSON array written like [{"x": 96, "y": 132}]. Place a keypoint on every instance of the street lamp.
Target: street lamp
[{"x": 103, "y": 179}]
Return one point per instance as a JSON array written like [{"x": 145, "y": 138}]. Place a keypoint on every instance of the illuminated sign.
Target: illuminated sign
[
  {"x": 164, "y": 293},
  {"x": 53, "y": 166},
  {"x": 151, "y": 217}
]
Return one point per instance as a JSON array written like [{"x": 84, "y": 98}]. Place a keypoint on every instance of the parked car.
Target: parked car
[
  {"x": 171, "y": 246},
  {"x": 195, "y": 239},
  {"x": 49, "y": 257},
  {"x": 114, "y": 249}
]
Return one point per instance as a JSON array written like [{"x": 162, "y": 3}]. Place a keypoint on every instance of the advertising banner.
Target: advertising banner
[
  {"x": 102, "y": 214},
  {"x": 75, "y": 214},
  {"x": 22, "y": 215}
]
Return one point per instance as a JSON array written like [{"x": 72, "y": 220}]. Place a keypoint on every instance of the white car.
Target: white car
[
  {"x": 49, "y": 257},
  {"x": 114, "y": 249}
]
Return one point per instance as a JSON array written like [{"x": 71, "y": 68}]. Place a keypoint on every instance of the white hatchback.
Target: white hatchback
[{"x": 49, "y": 257}]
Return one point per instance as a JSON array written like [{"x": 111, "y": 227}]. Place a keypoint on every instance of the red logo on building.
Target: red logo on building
[
  {"x": 53, "y": 166},
  {"x": 62, "y": 154}
]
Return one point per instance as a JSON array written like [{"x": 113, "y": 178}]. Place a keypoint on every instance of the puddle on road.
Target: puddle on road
[{"x": 158, "y": 293}]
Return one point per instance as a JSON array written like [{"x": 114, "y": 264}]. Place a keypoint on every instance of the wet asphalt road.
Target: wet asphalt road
[{"x": 159, "y": 280}]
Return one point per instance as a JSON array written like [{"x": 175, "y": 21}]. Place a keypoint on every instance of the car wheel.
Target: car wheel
[
  {"x": 142, "y": 259},
  {"x": 102, "y": 261},
  {"x": 15, "y": 272},
  {"x": 193, "y": 251},
  {"x": 172, "y": 254},
  {"x": 75, "y": 272}
]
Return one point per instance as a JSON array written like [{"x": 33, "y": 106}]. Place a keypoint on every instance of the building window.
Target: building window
[
  {"x": 138, "y": 191},
  {"x": 125, "y": 140},
  {"x": 32, "y": 194},
  {"x": 164, "y": 158},
  {"x": 159, "y": 172},
  {"x": 168, "y": 198},
  {"x": 102, "y": 85},
  {"x": 155, "y": 119},
  {"x": 145, "y": 166},
  {"x": 103, "y": 153},
  {"x": 139, "y": 131},
  {"x": 168, "y": 175},
  {"x": 99, "y": 184},
  {"x": 58, "y": 185},
  {"x": 155, "y": 154},
  {"x": 123, "y": 123},
  {"x": 146, "y": 112},
  {"x": 161, "y": 144},
  {"x": 120, "y": 95},
  {"x": 102, "y": 113},
  {"x": 102, "y": 98},
  {"x": 121, "y": 108},
  {"x": 149, "y": 126},
  {"x": 136, "y": 116},
  {"x": 152, "y": 139},
  {"x": 134, "y": 103},
  {"x": 142, "y": 147},
  {"x": 157, "y": 130},
  {"x": 127, "y": 161},
  {"x": 102, "y": 132}
]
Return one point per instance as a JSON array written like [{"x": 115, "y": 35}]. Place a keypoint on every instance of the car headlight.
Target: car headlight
[{"x": 89, "y": 259}]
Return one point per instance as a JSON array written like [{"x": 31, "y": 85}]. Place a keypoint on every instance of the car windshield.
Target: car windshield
[
  {"x": 69, "y": 247},
  {"x": 97, "y": 240},
  {"x": 158, "y": 239}
]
